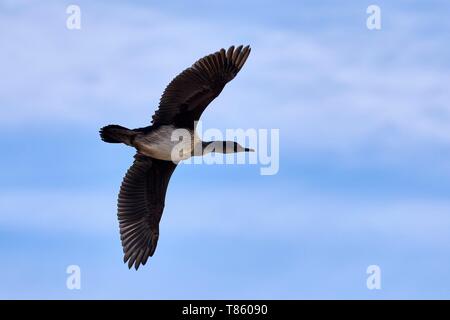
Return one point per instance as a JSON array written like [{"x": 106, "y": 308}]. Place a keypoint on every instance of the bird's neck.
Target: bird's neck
[{"x": 217, "y": 147}]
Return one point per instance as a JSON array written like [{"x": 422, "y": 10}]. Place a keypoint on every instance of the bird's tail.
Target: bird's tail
[{"x": 117, "y": 134}]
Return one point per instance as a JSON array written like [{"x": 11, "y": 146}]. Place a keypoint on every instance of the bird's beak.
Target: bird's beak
[{"x": 249, "y": 150}]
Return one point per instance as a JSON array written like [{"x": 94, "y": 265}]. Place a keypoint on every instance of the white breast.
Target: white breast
[{"x": 167, "y": 143}]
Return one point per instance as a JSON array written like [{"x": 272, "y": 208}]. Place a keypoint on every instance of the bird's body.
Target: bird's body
[
  {"x": 160, "y": 143},
  {"x": 160, "y": 146}
]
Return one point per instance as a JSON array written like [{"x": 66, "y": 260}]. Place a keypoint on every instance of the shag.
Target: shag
[{"x": 143, "y": 190}]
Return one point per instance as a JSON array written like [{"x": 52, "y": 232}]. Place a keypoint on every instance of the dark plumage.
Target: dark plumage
[
  {"x": 188, "y": 95},
  {"x": 141, "y": 204},
  {"x": 143, "y": 190}
]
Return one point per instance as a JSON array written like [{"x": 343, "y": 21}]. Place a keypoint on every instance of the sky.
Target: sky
[{"x": 364, "y": 158}]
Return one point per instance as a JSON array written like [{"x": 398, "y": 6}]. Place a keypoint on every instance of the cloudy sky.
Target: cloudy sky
[{"x": 364, "y": 122}]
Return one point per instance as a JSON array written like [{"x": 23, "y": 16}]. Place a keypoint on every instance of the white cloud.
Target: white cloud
[
  {"x": 58, "y": 211},
  {"x": 325, "y": 90},
  {"x": 222, "y": 211}
]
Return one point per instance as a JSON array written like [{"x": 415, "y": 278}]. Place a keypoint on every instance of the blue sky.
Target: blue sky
[{"x": 364, "y": 125}]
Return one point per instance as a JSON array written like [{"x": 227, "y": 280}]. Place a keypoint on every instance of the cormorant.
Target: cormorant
[{"x": 143, "y": 190}]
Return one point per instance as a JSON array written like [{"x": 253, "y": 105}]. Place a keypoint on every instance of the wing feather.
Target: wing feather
[
  {"x": 189, "y": 93},
  {"x": 140, "y": 207}
]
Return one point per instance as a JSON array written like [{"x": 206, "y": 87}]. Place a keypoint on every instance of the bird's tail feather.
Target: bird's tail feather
[{"x": 117, "y": 134}]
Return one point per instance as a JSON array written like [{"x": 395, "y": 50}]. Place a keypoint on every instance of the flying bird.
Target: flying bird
[{"x": 143, "y": 190}]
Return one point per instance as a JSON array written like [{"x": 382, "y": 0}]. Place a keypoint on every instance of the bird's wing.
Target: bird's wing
[
  {"x": 189, "y": 93},
  {"x": 140, "y": 207}
]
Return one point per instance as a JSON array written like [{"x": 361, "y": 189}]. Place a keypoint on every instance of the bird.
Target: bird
[{"x": 141, "y": 198}]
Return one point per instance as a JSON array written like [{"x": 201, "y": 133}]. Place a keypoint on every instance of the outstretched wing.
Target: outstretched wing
[
  {"x": 140, "y": 207},
  {"x": 189, "y": 93}
]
